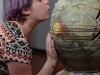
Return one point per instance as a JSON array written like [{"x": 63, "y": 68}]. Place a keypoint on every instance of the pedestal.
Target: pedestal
[{"x": 63, "y": 72}]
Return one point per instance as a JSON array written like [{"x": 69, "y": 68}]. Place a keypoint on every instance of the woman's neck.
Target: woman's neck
[{"x": 27, "y": 27}]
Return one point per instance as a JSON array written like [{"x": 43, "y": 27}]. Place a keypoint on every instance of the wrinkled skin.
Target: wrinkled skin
[{"x": 75, "y": 28}]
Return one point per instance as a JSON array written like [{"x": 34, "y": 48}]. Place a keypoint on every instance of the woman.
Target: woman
[{"x": 21, "y": 16}]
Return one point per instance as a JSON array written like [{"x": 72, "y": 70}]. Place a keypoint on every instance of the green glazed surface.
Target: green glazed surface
[{"x": 75, "y": 28}]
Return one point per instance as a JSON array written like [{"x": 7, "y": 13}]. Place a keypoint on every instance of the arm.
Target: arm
[
  {"x": 16, "y": 68},
  {"x": 52, "y": 58}
]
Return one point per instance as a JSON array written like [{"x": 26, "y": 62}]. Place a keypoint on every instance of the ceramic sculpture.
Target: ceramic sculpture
[{"x": 75, "y": 28}]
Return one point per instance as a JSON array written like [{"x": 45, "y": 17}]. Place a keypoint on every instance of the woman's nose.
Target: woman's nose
[{"x": 46, "y": 1}]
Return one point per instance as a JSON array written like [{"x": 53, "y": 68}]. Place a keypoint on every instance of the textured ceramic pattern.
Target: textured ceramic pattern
[{"x": 75, "y": 28}]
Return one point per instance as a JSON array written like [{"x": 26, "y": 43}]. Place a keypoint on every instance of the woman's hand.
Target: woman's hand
[
  {"x": 52, "y": 57},
  {"x": 50, "y": 49}
]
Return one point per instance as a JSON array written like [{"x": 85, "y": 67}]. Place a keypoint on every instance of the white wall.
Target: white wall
[
  {"x": 1, "y": 9},
  {"x": 38, "y": 36}
]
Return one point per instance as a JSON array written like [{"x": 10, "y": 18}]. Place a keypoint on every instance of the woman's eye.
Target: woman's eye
[{"x": 39, "y": 0}]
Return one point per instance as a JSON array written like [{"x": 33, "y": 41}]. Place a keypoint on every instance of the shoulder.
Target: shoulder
[
  {"x": 11, "y": 29},
  {"x": 15, "y": 30},
  {"x": 5, "y": 33}
]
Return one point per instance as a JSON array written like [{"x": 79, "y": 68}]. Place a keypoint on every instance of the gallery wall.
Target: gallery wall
[
  {"x": 1, "y": 9},
  {"x": 38, "y": 36}
]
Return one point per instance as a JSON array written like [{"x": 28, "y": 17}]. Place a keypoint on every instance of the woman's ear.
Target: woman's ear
[{"x": 26, "y": 11}]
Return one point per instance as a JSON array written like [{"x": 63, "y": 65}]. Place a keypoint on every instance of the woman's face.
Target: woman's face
[{"x": 39, "y": 10}]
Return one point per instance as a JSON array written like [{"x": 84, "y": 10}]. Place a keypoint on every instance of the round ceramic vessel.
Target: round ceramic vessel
[{"x": 75, "y": 28}]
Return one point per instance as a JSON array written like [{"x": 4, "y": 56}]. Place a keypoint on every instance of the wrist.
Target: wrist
[
  {"x": 53, "y": 63},
  {"x": 52, "y": 60},
  {"x": 49, "y": 58}
]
